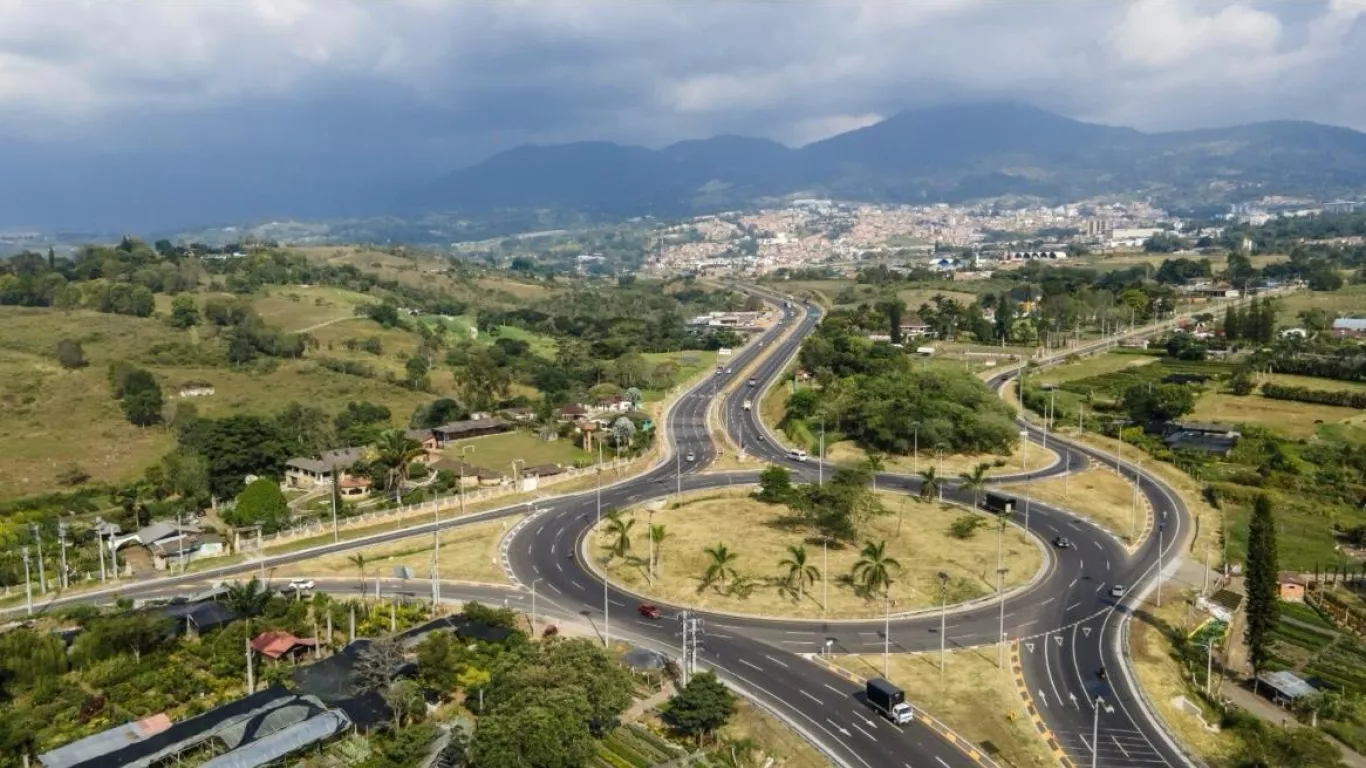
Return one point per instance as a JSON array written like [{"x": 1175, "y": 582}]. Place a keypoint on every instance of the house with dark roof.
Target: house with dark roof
[
  {"x": 197, "y": 618},
  {"x": 573, "y": 412},
  {"x": 471, "y": 475},
  {"x": 460, "y": 430},
  {"x": 309, "y": 471},
  {"x": 1204, "y": 437}
]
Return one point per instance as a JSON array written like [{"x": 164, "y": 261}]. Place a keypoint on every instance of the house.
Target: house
[
  {"x": 159, "y": 533},
  {"x": 192, "y": 546},
  {"x": 1349, "y": 327},
  {"x": 1284, "y": 687},
  {"x": 542, "y": 470},
  {"x": 614, "y": 404},
  {"x": 197, "y": 618},
  {"x": 1291, "y": 587},
  {"x": 308, "y": 472},
  {"x": 573, "y": 412},
  {"x": 916, "y": 329},
  {"x": 520, "y": 413},
  {"x": 282, "y": 645},
  {"x": 470, "y": 475},
  {"x": 1214, "y": 439},
  {"x": 460, "y": 430},
  {"x": 422, "y": 437}
]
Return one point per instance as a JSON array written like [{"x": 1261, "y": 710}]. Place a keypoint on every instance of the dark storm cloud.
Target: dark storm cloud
[{"x": 137, "y": 113}]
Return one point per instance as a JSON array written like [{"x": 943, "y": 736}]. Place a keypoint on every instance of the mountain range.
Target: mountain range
[{"x": 941, "y": 154}]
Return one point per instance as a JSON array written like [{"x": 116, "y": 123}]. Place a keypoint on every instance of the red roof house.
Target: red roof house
[{"x": 278, "y": 645}]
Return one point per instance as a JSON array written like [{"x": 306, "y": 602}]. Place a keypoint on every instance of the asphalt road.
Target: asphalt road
[{"x": 1067, "y": 623}]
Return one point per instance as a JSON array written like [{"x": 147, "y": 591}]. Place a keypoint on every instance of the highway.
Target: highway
[{"x": 1066, "y": 623}]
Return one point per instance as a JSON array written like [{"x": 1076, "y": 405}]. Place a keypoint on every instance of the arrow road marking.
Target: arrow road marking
[
  {"x": 1073, "y": 697},
  {"x": 843, "y": 731},
  {"x": 1043, "y": 697}
]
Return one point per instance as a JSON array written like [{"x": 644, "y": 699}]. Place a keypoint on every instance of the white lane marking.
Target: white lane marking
[
  {"x": 1102, "y": 586},
  {"x": 557, "y": 589},
  {"x": 1097, "y": 543},
  {"x": 941, "y": 761},
  {"x": 725, "y": 637},
  {"x": 576, "y": 584},
  {"x": 560, "y": 566},
  {"x": 813, "y": 698},
  {"x": 536, "y": 568},
  {"x": 833, "y": 688},
  {"x": 1073, "y": 605},
  {"x": 865, "y": 733},
  {"x": 1121, "y": 746},
  {"x": 528, "y": 550},
  {"x": 843, "y": 731},
  {"x": 539, "y": 529},
  {"x": 796, "y": 642},
  {"x": 749, "y": 664},
  {"x": 619, "y": 605},
  {"x": 1046, "y": 602},
  {"x": 775, "y": 661},
  {"x": 1071, "y": 584},
  {"x": 1107, "y": 565},
  {"x": 552, "y": 548},
  {"x": 789, "y": 632}
]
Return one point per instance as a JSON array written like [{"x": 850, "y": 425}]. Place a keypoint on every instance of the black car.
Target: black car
[{"x": 1063, "y": 542}]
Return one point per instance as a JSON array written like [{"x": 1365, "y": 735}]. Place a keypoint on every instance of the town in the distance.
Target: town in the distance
[{"x": 761, "y": 385}]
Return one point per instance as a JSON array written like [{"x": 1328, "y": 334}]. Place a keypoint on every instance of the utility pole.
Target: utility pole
[
  {"x": 42, "y": 571},
  {"x": 28, "y": 583},
  {"x": 606, "y": 616},
  {"x": 99, "y": 545},
  {"x": 336, "y": 534},
  {"x": 351, "y": 629},
  {"x": 886, "y": 629},
  {"x": 943, "y": 616},
  {"x": 650, "y": 540},
  {"x": 436, "y": 555},
  {"x": 1000, "y": 584},
  {"x": 825, "y": 574},
  {"x": 1161, "y": 537},
  {"x": 820, "y": 458},
  {"x": 251, "y": 674},
  {"x": 64, "y": 580}
]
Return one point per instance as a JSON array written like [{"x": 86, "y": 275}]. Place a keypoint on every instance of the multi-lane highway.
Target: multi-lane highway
[{"x": 1067, "y": 623}]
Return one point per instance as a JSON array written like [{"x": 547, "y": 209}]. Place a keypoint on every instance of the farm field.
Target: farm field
[
  {"x": 496, "y": 452},
  {"x": 1349, "y": 301},
  {"x": 1310, "y": 382},
  {"x": 1095, "y": 365},
  {"x": 300, "y": 307},
  {"x": 1286, "y": 417}
]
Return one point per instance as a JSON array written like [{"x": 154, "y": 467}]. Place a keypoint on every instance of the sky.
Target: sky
[{"x": 128, "y": 115}]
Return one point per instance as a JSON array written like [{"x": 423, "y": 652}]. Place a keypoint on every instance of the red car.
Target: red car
[{"x": 649, "y": 611}]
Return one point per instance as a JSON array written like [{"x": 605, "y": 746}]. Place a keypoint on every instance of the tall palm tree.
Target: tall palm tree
[
  {"x": 619, "y": 528},
  {"x": 722, "y": 565},
  {"x": 929, "y": 483},
  {"x": 800, "y": 572},
  {"x": 657, "y": 535},
  {"x": 394, "y": 452},
  {"x": 975, "y": 481},
  {"x": 875, "y": 463},
  {"x": 874, "y": 569},
  {"x": 359, "y": 561},
  {"x": 249, "y": 599}
]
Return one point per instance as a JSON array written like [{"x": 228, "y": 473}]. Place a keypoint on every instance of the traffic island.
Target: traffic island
[
  {"x": 1099, "y": 495},
  {"x": 727, "y": 552},
  {"x": 1027, "y": 457}
]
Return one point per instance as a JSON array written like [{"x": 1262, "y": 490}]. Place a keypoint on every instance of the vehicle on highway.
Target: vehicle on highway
[
  {"x": 730, "y": 370},
  {"x": 691, "y": 456},
  {"x": 649, "y": 611},
  {"x": 754, "y": 382},
  {"x": 1117, "y": 590},
  {"x": 761, "y": 437},
  {"x": 797, "y": 454},
  {"x": 1062, "y": 542},
  {"x": 300, "y": 585},
  {"x": 746, "y": 405},
  {"x": 889, "y": 701},
  {"x": 1001, "y": 505},
  {"x": 1101, "y": 672}
]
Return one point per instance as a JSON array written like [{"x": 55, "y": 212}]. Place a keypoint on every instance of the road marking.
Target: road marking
[
  {"x": 865, "y": 733},
  {"x": 1121, "y": 746},
  {"x": 941, "y": 761},
  {"x": 1097, "y": 543},
  {"x": 749, "y": 664},
  {"x": 1073, "y": 605},
  {"x": 724, "y": 637},
  {"x": 775, "y": 661},
  {"x": 576, "y": 584},
  {"x": 1073, "y": 583},
  {"x": 539, "y": 529},
  {"x": 798, "y": 642},
  {"x": 813, "y": 698},
  {"x": 796, "y": 633},
  {"x": 552, "y": 547},
  {"x": 619, "y": 605},
  {"x": 1046, "y": 602},
  {"x": 1102, "y": 586},
  {"x": 1107, "y": 565},
  {"x": 843, "y": 731},
  {"x": 536, "y": 568},
  {"x": 833, "y": 688},
  {"x": 552, "y": 586},
  {"x": 560, "y": 566}
]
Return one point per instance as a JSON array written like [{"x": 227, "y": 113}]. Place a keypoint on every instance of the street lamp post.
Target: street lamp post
[
  {"x": 63, "y": 580},
  {"x": 336, "y": 532},
  {"x": 463, "y": 449},
  {"x": 42, "y": 571},
  {"x": 825, "y": 574},
  {"x": 820, "y": 458},
  {"x": 606, "y": 618},
  {"x": 915, "y": 447},
  {"x": 1000, "y": 584},
  {"x": 943, "y": 616},
  {"x": 28, "y": 583},
  {"x": 99, "y": 545},
  {"x": 886, "y": 628},
  {"x": 1161, "y": 528}
]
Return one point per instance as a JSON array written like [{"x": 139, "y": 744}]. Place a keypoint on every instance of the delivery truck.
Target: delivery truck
[
  {"x": 890, "y": 701},
  {"x": 747, "y": 404}
]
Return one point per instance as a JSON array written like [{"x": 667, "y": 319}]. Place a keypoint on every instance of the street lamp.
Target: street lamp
[
  {"x": 463, "y": 449},
  {"x": 943, "y": 615},
  {"x": 28, "y": 584},
  {"x": 1000, "y": 584},
  {"x": 886, "y": 627},
  {"x": 915, "y": 447},
  {"x": 63, "y": 580},
  {"x": 42, "y": 571},
  {"x": 533, "y": 604}
]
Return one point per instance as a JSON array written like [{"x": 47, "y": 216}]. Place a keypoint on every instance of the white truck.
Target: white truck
[{"x": 746, "y": 405}]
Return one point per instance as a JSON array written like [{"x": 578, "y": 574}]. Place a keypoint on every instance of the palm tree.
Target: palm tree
[
  {"x": 929, "y": 483},
  {"x": 619, "y": 528},
  {"x": 875, "y": 567},
  {"x": 249, "y": 599},
  {"x": 875, "y": 463},
  {"x": 657, "y": 535},
  {"x": 799, "y": 572},
  {"x": 394, "y": 451},
  {"x": 721, "y": 565},
  {"x": 975, "y": 481},
  {"x": 359, "y": 561}
]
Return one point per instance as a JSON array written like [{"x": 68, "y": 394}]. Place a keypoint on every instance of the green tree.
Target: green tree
[
  {"x": 184, "y": 311},
  {"x": 775, "y": 485},
  {"x": 359, "y": 560},
  {"x": 394, "y": 453},
  {"x": 619, "y": 529},
  {"x": 929, "y": 483},
  {"x": 404, "y": 698},
  {"x": 70, "y": 354},
  {"x": 1158, "y": 402},
  {"x": 260, "y": 503},
  {"x": 874, "y": 569},
  {"x": 701, "y": 707},
  {"x": 800, "y": 572},
  {"x": 438, "y": 665},
  {"x": 139, "y": 395},
  {"x": 249, "y": 599},
  {"x": 1262, "y": 572},
  {"x": 975, "y": 481},
  {"x": 874, "y": 463},
  {"x": 546, "y": 730},
  {"x": 658, "y": 533},
  {"x": 721, "y": 566},
  {"x": 1241, "y": 382}
]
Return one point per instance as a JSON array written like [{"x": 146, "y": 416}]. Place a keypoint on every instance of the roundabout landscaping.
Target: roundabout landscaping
[{"x": 726, "y": 551}]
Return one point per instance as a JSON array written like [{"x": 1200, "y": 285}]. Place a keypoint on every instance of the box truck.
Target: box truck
[{"x": 890, "y": 701}]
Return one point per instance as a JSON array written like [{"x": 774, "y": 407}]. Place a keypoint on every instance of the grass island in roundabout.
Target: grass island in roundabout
[{"x": 727, "y": 551}]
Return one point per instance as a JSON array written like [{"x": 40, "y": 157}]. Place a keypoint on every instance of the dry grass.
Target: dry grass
[
  {"x": 1163, "y": 679},
  {"x": 1286, "y": 417},
  {"x": 1097, "y": 494},
  {"x": 294, "y": 308},
  {"x": 972, "y": 695},
  {"x": 1309, "y": 382},
  {"x": 1095, "y": 365},
  {"x": 1026, "y": 455},
  {"x": 787, "y": 748},
  {"x": 469, "y": 553},
  {"x": 757, "y": 534}
]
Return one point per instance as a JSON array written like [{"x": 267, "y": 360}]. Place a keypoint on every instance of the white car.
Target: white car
[
  {"x": 1117, "y": 590},
  {"x": 300, "y": 585},
  {"x": 691, "y": 456}
]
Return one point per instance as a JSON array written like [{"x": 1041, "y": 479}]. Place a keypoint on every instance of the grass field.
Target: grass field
[
  {"x": 1025, "y": 456},
  {"x": 1310, "y": 382},
  {"x": 297, "y": 307},
  {"x": 1095, "y": 365},
  {"x": 1097, "y": 494},
  {"x": 1346, "y": 302},
  {"x": 469, "y": 553},
  {"x": 702, "y": 360},
  {"x": 914, "y": 297},
  {"x": 1286, "y": 417},
  {"x": 757, "y": 534},
  {"x": 972, "y": 695},
  {"x": 496, "y": 452}
]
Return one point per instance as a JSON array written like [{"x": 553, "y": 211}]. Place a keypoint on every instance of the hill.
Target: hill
[{"x": 941, "y": 154}]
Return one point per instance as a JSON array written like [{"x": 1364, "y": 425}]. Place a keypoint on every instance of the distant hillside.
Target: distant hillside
[{"x": 944, "y": 154}]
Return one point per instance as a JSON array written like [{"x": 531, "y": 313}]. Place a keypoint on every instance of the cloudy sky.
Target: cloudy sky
[{"x": 131, "y": 114}]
